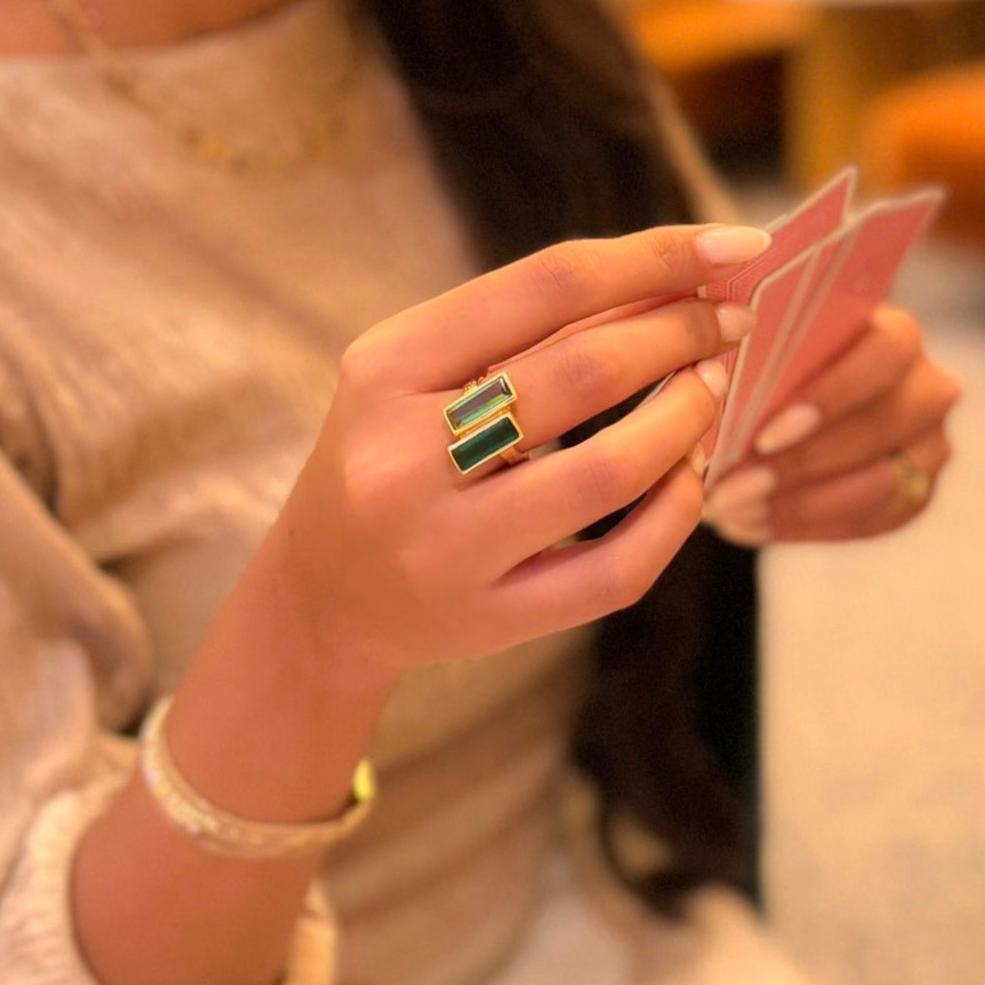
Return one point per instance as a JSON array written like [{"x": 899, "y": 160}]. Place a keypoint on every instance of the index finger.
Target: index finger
[{"x": 455, "y": 337}]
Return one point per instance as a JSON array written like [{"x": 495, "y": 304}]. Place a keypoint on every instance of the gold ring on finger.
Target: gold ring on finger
[
  {"x": 484, "y": 425},
  {"x": 912, "y": 483}
]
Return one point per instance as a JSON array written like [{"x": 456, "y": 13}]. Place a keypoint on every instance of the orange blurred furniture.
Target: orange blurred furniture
[
  {"x": 932, "y": 129},
  {"x": 735, "y": 62},
  {"x": 687, "y": 36},
  {"x": 858, "y": 50},
  {"x": 718, "y": 56}
]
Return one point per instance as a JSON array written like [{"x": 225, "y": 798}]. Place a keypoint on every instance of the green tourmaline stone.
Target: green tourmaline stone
[
  {"x": 476, "y": 405},
  {"x": 487, "y": 442}
]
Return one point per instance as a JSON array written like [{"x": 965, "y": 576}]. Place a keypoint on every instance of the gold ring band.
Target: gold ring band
[
  {"x": 513, "y": 456},
  {"x": 482, "y": 421},
  {"x": 912, "y": 483}
]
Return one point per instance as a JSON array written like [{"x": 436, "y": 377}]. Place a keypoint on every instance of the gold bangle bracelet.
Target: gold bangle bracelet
[{"x": 223, "y": 833}]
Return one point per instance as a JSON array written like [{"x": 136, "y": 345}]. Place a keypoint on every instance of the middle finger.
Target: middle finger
[{"x": 563, "y": 385}]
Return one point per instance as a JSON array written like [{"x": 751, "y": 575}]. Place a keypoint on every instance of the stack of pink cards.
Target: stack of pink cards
[{"x": 813, "y": 291}]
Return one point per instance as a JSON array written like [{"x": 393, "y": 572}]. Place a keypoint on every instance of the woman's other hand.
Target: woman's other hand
[
  {"x": 855, "y": 454},
  {"x": 399, "y": 558}
]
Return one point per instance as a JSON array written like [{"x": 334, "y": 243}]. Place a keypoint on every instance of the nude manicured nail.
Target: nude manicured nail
[
  {"x": 757, "y": 512},
  {"x": 752, "y": 511},
  {"x": 746, "y": 535},
  {"x": 714, "y": 375},
  {"x": 736, "y": 321},
  {"x": 788, "y": 428},
  {"x": 698, "y": 460},
  {"x": 732, "y": 244},
  {"x": 743, "y": 487}
]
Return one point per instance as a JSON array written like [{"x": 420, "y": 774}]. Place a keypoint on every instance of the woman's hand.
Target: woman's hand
[
  {"x": 400, "y": 559},
  {"x": 839, "y": 462},
  {"x": 384, "y": 557}
]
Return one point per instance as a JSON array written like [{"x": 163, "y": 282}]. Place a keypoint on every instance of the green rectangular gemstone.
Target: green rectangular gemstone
[
  {"x": 485, "y": 443},
  {"x": 473, "y": 407}
]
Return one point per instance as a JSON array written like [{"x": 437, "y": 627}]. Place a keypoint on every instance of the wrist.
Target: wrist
[{"x": 275, "y": 711}]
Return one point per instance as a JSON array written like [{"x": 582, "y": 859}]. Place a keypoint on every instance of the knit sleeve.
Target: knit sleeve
[{"x": 76, "y": 669}]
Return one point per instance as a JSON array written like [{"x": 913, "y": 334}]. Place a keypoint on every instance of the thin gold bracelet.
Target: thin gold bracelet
[{"x": 223, "y": 833}]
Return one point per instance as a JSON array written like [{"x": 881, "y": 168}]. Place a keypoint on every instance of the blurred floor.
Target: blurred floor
[{"x": 874, "y": 704}]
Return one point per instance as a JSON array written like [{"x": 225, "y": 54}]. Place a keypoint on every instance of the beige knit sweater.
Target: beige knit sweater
[{"x": 169, "y": 336}]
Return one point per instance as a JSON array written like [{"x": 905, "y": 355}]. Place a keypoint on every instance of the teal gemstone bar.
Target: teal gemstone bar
[
  {"x": 473, "y": 407},
  {"x": 485, "y": 443}
]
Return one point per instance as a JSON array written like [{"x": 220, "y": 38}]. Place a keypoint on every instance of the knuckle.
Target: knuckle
[
  {"x": 366, "y": 491},
  {"x": 360, "y": 365},
  {"x": 942, "y": 452},
  {"x": 699, "y": 320},
  {"x": 563, "y": 268},
  {"x": 900, "y": 325},
  {"x": 623, "y": 583},
  {"x": 952, "y": 390},
  {"x": 607, "y": 480},
  {"x": 903, "y": 337},
  {"x": 586, "y": 369},
  {"x": 416, "y": 565},
  {"x": 671, "y": 251},
  {"x": 702, "y": 406},
  {"x": 689, "y": 495}
]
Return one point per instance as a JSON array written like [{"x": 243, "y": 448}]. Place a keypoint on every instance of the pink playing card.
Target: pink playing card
[
  {"x": 813, "y": 290},
  {"x": 792, "y": 234},
  {"x": 777, "y": 301},
  {"x": 817, "y": 218},
  {"x": 859, "y": 279}
]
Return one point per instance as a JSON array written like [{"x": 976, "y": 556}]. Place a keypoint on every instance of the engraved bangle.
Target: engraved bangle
[{"x": 223, "y": 833}]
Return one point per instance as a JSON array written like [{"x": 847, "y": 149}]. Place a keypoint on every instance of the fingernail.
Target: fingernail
[
  {"x": 714, "y": 375},
  {"x": 732, "y": 244},
  {"x": 736, "y": 321},
  {"x": 698, "y": 460},
  {"x": 746, "y": 535},
  {"x": 743, "y": 487},
  {"x": 788, "y": 428},
  {"x": 752, "y": 511}
]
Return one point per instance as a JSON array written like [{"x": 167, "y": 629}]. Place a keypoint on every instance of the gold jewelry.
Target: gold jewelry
[
  {"x": 214, "y": 148},
  {"x": 484, "y": 425},
  {"x": 912, "y": 483},
  {"x": 223, "y": 833}
]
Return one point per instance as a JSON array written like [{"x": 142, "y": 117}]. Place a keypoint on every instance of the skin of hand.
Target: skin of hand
[
  {"x": 823, "y": 467},
  {"x": 384, "y": 558},
  {"x": 30, "y": 27},
  {"x": 421, "y": 564}
]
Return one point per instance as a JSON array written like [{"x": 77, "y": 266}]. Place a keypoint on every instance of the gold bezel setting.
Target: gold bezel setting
[
  {"x": 483, "y": 445},
  {"x": 494, "y": 405}
]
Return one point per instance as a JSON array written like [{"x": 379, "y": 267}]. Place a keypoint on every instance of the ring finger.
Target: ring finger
[
  {"x": 533, "y": 507},
  {"x": 868, "y": 498},
  {"x": 856, "y": 504}
]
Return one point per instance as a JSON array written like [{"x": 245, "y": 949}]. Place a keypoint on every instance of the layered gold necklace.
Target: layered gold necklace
[{"x": 314, "y": 142}]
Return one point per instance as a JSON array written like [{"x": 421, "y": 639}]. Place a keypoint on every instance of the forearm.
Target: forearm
[{"x": 269, "y": 722}]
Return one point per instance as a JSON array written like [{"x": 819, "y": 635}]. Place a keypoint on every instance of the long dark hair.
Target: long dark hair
[{"x": 539, "y": 116}]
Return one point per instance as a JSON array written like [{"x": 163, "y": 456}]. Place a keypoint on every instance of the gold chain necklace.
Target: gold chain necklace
[{"x": 214, "y": 148}]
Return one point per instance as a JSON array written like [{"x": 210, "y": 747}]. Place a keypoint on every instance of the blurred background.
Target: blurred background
[{"x": 874, "y": 652}]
